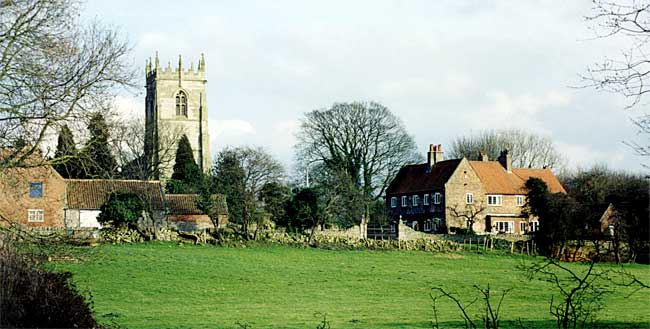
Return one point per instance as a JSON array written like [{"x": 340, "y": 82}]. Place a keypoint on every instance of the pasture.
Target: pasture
[{"x": 165, "y": 285}]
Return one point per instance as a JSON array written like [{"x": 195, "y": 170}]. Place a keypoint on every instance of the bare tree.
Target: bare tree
[
  {"x": 528, "y": 150},
  {"x": 470, "y": 214},
  {"x": 128, "y": 138},
  {"x": 581, "y": 294},
  {"x": 364, "y": 140},
  {"x": 52, "y": 70},
  {"x": 259, "y": 168},
  {"x": 627, "y": 74}
]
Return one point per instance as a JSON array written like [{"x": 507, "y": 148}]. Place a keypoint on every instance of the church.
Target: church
[{"x": 175, "y": 104}]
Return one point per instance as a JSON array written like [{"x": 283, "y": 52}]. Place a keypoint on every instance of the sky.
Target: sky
[{"x": 446, "y": 68}]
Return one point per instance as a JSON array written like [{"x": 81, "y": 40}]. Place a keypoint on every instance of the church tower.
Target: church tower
[{"x": 175, "y": 105}]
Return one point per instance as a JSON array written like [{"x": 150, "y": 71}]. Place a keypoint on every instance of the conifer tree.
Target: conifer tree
[
  {"x": 99, "y": 162},
  {"x": 187, "y": 177},
  {"x": 66, "y": 156},
  {"x": 229, "y": 179}
]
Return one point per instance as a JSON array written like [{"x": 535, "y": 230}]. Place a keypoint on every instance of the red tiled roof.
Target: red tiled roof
[
  {"x": 496, "y": 179},
  {"x": 93, "y": 193},
  {"x": 415, "y": 178},
  {"x": 185, "y": 204},
  {"x": 554, "y": 185}
]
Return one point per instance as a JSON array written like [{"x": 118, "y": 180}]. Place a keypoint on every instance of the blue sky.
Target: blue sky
[{"x": 446, "y": 68}]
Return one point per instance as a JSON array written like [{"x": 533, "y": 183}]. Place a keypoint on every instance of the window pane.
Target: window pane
[{"x": 35, "y": 189}]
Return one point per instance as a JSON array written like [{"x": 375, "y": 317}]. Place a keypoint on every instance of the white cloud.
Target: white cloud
[
  {"x": 504, "y": 110},
  {"x": 507, "y": 65},
  {"x": 129, "y": 107},
  {"x": 230, "y": 128},
  {"x": 585, "y": 156}
]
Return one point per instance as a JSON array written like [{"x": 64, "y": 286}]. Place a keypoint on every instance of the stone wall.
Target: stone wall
[
  {"x": 464, "y": 180},
  {"x": 163, "y": 85},
  {"x": 358, "y": 232}
]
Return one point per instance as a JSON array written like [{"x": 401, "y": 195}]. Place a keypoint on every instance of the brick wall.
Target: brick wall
[{"x": 15, "y": 200}]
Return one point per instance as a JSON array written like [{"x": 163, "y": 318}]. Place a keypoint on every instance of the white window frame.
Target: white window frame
[
  {"x": 504, "y": 226},
  {"x": 469, "y": 198},
  {"x": 533, "y": 226},
  {"x": 494, "y": 199},
  {"x": 35, "y": 215},
  {"x": 425, "y": 199},
  {"x": 404, "y": 201},
  {"x": 437, "y": 198},
  {"x": 428, "y": 225},
  {"x": 520, "y": 200},
  {"x": 393, "y": 202},
  {"x": 415, "y": 200}
]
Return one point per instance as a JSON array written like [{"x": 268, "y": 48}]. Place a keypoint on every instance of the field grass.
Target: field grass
[{"x": 157, "y": 285}]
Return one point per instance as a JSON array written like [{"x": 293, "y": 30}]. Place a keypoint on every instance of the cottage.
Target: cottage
[
  {"x": 450, "y": 195},
  {"x": 85, "y": 197},
  {"x": 32, "y": 196}
]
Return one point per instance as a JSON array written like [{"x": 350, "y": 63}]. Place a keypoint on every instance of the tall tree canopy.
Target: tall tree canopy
[
  {"x": 240, "y": 173},
  {"x": 67, "y": 161},
  {"x": 52, "y": 70},
  {"x": 527, "y": 150},
  {"x": 98, "y": 160},
  {"x": 228, "y": 179},
  {"x": 364, "y": 140}
]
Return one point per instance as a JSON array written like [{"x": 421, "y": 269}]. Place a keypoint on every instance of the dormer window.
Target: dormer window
[{"x": 181, "y": 104}]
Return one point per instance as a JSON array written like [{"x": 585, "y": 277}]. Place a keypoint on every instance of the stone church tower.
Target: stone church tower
[{"x": 175, "y": 105}]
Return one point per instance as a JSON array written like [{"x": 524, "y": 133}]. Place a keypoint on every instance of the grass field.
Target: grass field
[{"x": 159, "y": 285}]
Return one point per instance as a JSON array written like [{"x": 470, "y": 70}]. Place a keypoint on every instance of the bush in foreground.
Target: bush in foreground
[{"x": 31, "y": 297}]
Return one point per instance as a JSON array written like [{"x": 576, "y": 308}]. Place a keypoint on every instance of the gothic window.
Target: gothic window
[{"x": 181, "y": 103}]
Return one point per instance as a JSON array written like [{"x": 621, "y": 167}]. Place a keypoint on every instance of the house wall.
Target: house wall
[
  {"x": 88, "y": 218},
  {"x": 15, "y": 200},
  {"x": 507, "y": 211},
  {"x": 464, "y": 180},
  {"x": 72, "y": 218}
]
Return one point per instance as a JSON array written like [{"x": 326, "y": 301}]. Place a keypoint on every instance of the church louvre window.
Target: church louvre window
[{"x": 181, "y": 103}]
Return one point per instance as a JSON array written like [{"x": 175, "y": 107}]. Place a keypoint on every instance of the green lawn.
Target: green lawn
[{"x": 170, "y": 286}]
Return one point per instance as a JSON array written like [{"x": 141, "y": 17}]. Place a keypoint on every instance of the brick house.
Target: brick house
[
  {"x": 441, "y": 195},
  {"x": 32, "y": 196}
]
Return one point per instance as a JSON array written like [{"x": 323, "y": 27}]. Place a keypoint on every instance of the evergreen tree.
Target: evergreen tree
[
  {"x": 187, "y": 177},
  {"x": 229, "y": 179},
  {"x": 98, "y": 162},
  {"x": 276, "y": 196},
  {"x": 66, "y": 156}
]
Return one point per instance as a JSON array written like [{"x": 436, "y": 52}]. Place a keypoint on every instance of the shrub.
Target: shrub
[
  {"x": 31, "y": 297},
  {"x": 121, "y": 210}
]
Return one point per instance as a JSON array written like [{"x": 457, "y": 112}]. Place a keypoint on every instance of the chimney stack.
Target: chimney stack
[
  {"x": 434, "y": 155},
  {"x": 483, "y": 157},
  {"x": 505, "y": 159}
]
